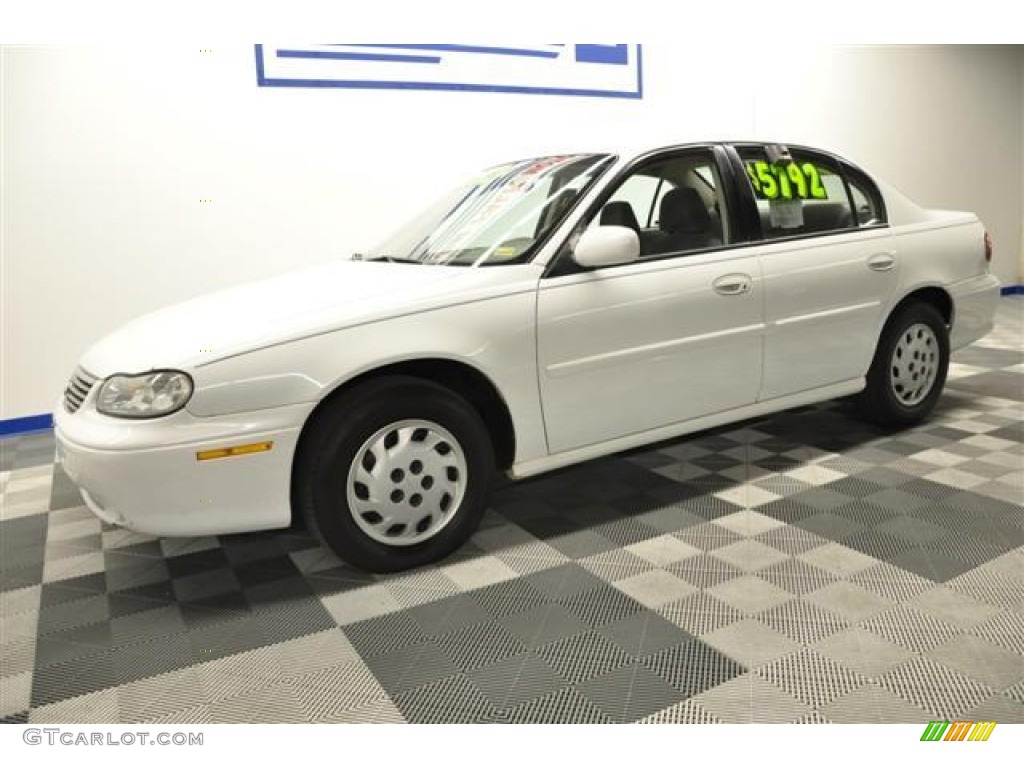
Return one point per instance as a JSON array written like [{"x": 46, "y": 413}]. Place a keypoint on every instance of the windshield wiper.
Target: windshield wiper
[{"x": 390, "y": 259}]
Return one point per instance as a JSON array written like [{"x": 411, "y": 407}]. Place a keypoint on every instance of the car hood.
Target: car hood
[{"x": 291, "y": 306}]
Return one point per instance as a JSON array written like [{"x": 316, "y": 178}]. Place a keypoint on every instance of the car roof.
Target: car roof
[
  {"x": 627, "y": 152},
  {"x": 633, "y": 150}
]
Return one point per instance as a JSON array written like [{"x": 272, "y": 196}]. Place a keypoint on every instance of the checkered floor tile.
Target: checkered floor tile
[{"x": 805, "y": 567}]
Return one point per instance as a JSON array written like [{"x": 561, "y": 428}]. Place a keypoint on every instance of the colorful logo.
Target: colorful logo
[{"x": 959, "y": 730}]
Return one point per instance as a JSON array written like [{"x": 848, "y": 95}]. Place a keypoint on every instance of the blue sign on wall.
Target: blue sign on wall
[{"x": 611, "y": 70}]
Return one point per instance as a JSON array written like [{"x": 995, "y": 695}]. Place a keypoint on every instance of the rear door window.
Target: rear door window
[{"x": 803, "y": 193}]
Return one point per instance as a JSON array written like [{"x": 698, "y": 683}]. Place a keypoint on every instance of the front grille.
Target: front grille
[{"x": 78, "y": 389}]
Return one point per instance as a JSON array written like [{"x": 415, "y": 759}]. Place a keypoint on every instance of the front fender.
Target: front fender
[{"x": 495, "y": 336}]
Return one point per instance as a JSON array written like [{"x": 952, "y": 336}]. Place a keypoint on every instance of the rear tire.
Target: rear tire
[
  {"x": 909, "y": 370},
  {"x": 394, "y": 474}
]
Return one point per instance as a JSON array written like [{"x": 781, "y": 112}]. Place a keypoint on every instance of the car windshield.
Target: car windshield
[{"x": 499, "y": 217}]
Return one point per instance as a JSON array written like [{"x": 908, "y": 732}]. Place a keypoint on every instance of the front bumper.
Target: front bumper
[{"x": 146, "y": 475}]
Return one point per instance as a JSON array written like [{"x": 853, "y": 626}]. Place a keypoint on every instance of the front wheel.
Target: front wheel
[
  {"x": 909, "y": 369},
  {"x": 394, "y": 474}
]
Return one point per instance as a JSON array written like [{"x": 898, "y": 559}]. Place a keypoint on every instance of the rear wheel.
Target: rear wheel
[
  {"x": 909, "y": 369},
  {"x": 394, "y": 474}
]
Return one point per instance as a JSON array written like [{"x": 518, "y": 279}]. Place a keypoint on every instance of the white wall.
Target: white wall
[{"x": 107, "y": 153}]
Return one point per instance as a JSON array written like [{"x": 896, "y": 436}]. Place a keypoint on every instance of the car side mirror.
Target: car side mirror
[{"x": 607, "y": 246}]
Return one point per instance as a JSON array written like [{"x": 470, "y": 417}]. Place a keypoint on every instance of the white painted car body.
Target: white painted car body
[{"x": 586, "y": 364}]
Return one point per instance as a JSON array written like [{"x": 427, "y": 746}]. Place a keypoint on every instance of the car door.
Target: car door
[
  {"x": 829, "y": 265},
  {"x": 671, "y": 337}
]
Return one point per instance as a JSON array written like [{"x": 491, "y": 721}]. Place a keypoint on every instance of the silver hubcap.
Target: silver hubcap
[
  {"x": 406, "y": 482},
  {"x": 915, "y": 364}
]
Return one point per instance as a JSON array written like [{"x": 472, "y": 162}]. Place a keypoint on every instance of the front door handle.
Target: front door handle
[
  {"x": 732, "y": 285},
  {"x": 882, "y": 262}
]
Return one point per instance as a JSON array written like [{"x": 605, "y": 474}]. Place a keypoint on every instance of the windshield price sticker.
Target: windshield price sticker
[{"x": 792, "y": 181}]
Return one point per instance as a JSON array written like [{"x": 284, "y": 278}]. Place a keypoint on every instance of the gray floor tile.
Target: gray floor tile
[
  {"x": 864, "y": 652},
  {"x": 911, "y": 629},
  {"x": 750, "y": 594},
  {"x": 751, "y": 699},
  {"x": 517, "y": 680},
  {"x": 811, "y": 677},
  {"x": 700, "y": 613},
  {"x": 852, "y": 602},
  {"x": 542, "y": 625},
  {"x": 693, "y": 667},
  {"x": 653, "y": 589},
  {"x": 803, "y": 621},
  {"x": 873, "y": 704},
  {"x": 953, "y": 607},
  {"x": 629, "y": 693},
  {"x": 980, "y": 660},
  {"x": 643, "y": 634},
  {"x": 837, "y": 559},
  {"x": 942, "y": 692},
  {"x": 931, "y": 564},
  {"x": 750, "y": 642},
  {"x": 580, "y": 657},
  {"x": 1005, "y": 629},
  {"x": 566, "y": 705}
]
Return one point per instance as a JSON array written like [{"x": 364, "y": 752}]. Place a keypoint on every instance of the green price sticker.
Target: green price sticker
[{"x": 786, "y": 182}]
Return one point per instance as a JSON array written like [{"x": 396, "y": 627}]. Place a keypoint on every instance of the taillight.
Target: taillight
[{"x": 988, "y": 248}]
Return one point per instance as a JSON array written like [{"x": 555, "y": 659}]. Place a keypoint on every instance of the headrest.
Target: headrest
[
  {"x": 682, "y": 210},
  {"x": 619, "y": 214}
]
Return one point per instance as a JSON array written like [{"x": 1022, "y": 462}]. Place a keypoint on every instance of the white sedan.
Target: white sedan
[{"x": 549, "y": 311}]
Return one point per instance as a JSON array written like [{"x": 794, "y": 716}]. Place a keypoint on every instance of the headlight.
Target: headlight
[{"x": 145, "y": 396}]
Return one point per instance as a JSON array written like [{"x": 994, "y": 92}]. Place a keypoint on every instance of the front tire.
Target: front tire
[
  {"x": 394, "y": 474},
  {"x": 909, "y": 369}
]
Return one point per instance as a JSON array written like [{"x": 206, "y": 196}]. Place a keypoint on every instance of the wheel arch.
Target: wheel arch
[
  {"x": 879, "y": 402},
  {"x": 458, "y": 377},
  {"x": 935, "y": 295}
]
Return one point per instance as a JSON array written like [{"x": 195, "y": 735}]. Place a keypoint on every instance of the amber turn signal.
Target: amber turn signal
[{"x": 238, "y": 450}]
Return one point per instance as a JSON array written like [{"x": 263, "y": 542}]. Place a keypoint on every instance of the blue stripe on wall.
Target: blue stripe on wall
[
  {"x": 1012, "y": 290},
  {"x": 451, "y": 48},
  {"x": 344, "y": 56},
  {"x": 26, "y": 424}
]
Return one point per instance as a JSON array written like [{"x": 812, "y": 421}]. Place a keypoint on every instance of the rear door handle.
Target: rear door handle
[
  {"x": 882, "y": 262},
  {"x": 732, "y": 285}
]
